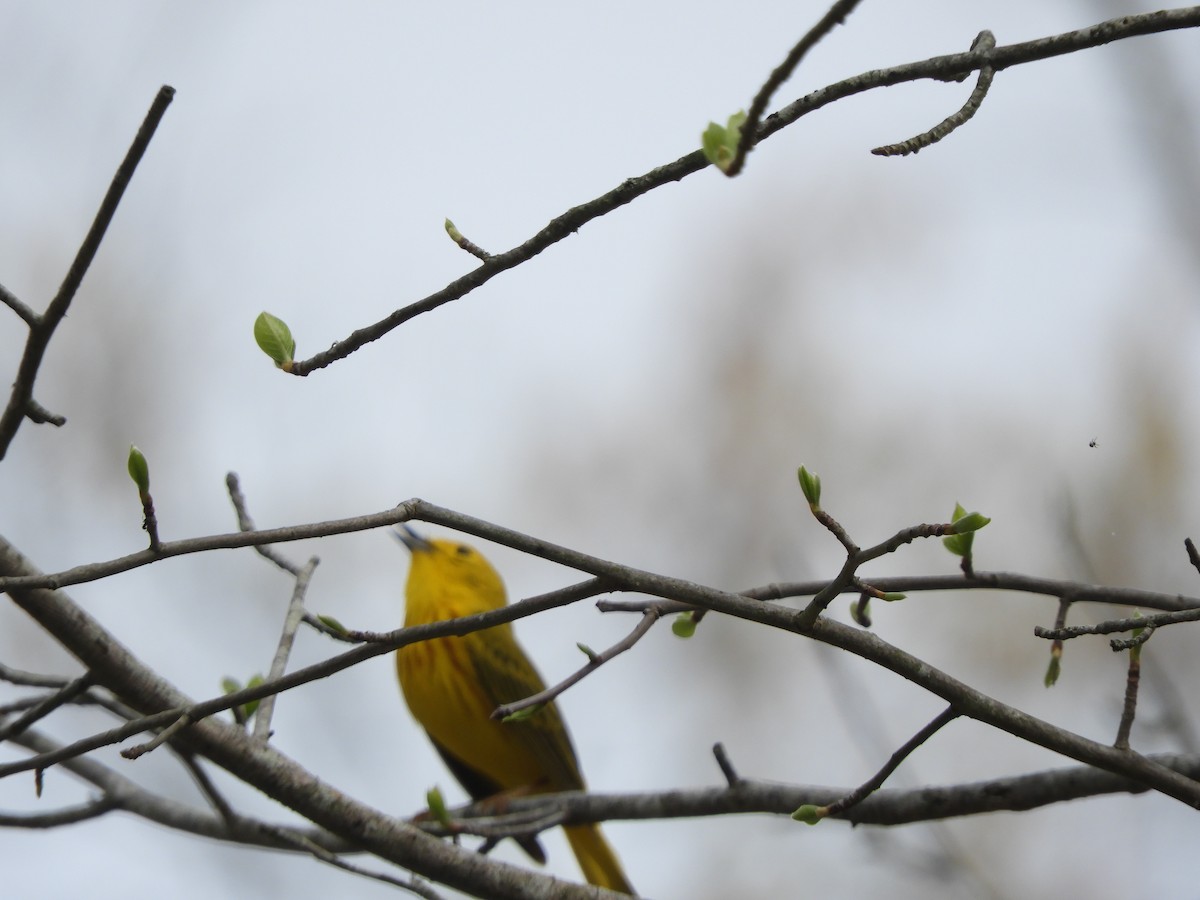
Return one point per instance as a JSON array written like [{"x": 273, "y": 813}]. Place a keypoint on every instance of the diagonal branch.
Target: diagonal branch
[
  {"x": 291, "y": 624},
  {"x": 595, "y": 661},
  {"x": 940, "y": 68},
  {"x": 984, "y": 41},
  {"x": 834, "y": 17},
  {"x": 21, "y": 403}
]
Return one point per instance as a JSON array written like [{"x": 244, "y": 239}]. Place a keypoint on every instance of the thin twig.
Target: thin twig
[
  {"x": 860, "y": 793},
  {"x": 246, "y": 524},
  {"x": 1054, "y": 668},
  {"x": 159, "y": 739},
  {"x": 30, "y": 679},
  {"x": 834, "y": 17},
  {"x": 150, "y": 520},
  {"x": 1132, "y": 643},
  {"x": 726, "y": 765},
  {"x": 984, "y": 42},
  {"x": 9, "y": 299},
  {"x": 1129, "y": 707},
  {"x": 1155, "y": 620},
  {"x": 214, "y": 797},
  {"x": 1193, "y": 555},
  {"x": 19, "y": 403},
  {"x": 304, "y": 844},
  {"x": 44, "y": 707},
  {"x": 134, "y": 799},
  {"x": 39, "y": 415},
  {"x": 649, "y": 617},
  {"x": 291, "y": 624},
  {"x": 846, "y": 579},
  {"x": 466, "y": 244},
  {"x": 70, "y": 815}
]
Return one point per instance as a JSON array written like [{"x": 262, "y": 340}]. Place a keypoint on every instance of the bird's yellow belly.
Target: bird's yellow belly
[{"x": 440, "y": 685}]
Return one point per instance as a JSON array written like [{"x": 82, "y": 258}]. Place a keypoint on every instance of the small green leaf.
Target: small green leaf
[
  {"x": 965, "y": 525},
  {"x": 249, "y": 709},
  {"x": 437, "y": 806},
  {"x": 809, "y": 814},
  {"x": 720, "y": 144},
  {"x": 684, "y": 625},
  {"x": 275, "y": 339},
  {"x": 970, "y": 523},
  {"x": 522, "y": 714},
  {"x": 455, "y": 234},
  {"x": 1053, "y": 670},
  {"x": 139, "y": 469},
  {"x": 893, "y": 597},
  {"x": 810, "y": 484},
  {"x": 1135, "y": 652},
  {"x": 587, "y": 651},
  {"x": 332, "y": 623},
  {"x": 959, "y": 544}
]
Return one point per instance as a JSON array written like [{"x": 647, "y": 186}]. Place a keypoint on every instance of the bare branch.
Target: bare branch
[
  {"x": 860, "y": 793},
  {"x": 834, "y": 17},
  {"x": 70, "y": 815},
  {"x": 1129, "y": 709},
  {"x": 595, "y": 661},
  {"x": 1193, "y": 556},
  {"x": 182, "y": 722},
  {"x": 1155, "y": 620},
  {"x": 1075, "y": 591},
  {"x": 726, "y": 765},
  {"x": 246, "y": 524},
  {"x": 43, "y": 708},
  {"x": 305, "y": 845},
  {"x": 39, "y": 415},
  {"x": 941, "y": 68},
  {"x": 20, "y": 403},
  {"x": 984, "y": 42},
  {"x": 291, "y": 624},
  {"x": 132, "y": 798},
  {"x": 30, "y": 679},
  {"x": 9, "y": 299},
  {"x": 886, "y": 807}
]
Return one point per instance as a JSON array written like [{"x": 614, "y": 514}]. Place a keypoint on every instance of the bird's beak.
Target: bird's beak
[{"x": 410, "y": 539}]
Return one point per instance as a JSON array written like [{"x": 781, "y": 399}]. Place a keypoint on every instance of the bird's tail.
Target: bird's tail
[{"x": 596, "y": 858}]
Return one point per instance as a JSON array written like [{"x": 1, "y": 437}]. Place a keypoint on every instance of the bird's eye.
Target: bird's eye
[{"x": 462, "y": 550}]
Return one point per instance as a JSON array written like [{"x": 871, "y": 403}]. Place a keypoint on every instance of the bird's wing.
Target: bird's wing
[{"x": 506, "y": 674}]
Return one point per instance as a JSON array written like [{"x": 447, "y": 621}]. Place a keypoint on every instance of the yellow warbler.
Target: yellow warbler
[{"x": 453, "y": 684}]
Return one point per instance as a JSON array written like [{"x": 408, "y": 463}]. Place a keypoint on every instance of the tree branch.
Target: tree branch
[
  {"x": 291, "y": 624},
  {"x": 940, "y": 68},
  {"x": 21, "y": 401}
]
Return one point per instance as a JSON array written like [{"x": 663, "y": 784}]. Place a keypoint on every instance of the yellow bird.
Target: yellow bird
[{"x": 453, "y": 684}]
